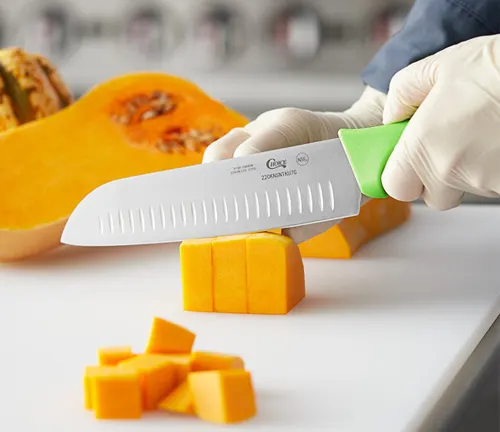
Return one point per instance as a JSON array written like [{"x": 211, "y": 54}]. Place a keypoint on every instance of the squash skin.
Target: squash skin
[
  {"x": 104, "y": 145},
  {"x": 30, "y": 85},
  {"x": 20, "y": 244}
]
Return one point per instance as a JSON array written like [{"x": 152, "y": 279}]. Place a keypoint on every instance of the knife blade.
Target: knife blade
[{"x": 283, "y": 188}]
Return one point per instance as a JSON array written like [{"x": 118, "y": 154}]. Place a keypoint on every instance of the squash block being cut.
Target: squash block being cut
[
  {"x": 116, "y": 394},
  {"x": 197, "y": 275},
  {"x": 223, "y": 396},
  {"x": 342, "y": 241},
  {"x": 157, "y": 374},
  {"x": 276, "y": 282},
  {"x": 178, "y": 400},
  {"x": 111, "y": 356},
  {"x": 230, "y": 274},
  {"x": 260, "y": 273},
  {"x": 205, "y": 361},
  {"x": 169, "y": 338}
]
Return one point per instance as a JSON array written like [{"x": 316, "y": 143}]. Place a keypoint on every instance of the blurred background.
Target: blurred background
[{"x": 252, "y": 55}]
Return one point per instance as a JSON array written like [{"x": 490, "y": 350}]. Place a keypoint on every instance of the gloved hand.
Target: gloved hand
[
  {"x": 287, "y": 127},
  {"x": 452, "y": 143}
]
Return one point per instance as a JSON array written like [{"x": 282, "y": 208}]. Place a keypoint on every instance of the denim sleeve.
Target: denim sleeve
[{"x": 431, "y": 26}]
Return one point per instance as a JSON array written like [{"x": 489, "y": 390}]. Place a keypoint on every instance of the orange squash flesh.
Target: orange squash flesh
[
  {"x": 178, "y": 400},
  {"x": 342, "y": 241},
  {"x": 131, "y": 125},
  {"x": 259, "y": 273},
  {"x": 223, "y": 397},
  {"x": 212, "y": 386}
]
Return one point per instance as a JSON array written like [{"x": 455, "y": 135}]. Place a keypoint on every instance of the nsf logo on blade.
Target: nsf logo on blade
[
  {"x": 302, "y": 159},
  {"x": 274, "y": 163}
]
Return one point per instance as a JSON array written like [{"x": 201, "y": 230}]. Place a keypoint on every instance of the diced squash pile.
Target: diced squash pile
[
  {"x": 342, "y": 241},
  {"x": 169, "y": 376},
  {"x": 259, "y": 273}
]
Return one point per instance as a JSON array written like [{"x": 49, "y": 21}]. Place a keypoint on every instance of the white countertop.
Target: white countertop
[{"x": 371, "y": 347}]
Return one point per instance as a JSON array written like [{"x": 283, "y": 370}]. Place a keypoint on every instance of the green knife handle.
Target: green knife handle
[{"x": 368, "y": 151}]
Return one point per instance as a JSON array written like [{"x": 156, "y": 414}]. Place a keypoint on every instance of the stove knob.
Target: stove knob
[
  {"x": 297, "y": 32},
  {"x": 218, "y": 36},
  {"x": 47, "y": 32},
  {"x": 145, "y": 32}
]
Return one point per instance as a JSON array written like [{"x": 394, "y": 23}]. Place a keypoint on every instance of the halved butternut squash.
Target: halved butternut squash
[{"x": 131, "y": 125}]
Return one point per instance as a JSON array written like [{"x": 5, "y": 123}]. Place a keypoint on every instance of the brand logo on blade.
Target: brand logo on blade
[
  {"x": 273, "y": 163},
  {"x": 302, "y": 159}
]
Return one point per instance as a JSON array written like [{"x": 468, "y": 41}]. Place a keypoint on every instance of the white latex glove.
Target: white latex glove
[
  {"x": 452, "y": 143},
  {"x": 286, "y": 127}
]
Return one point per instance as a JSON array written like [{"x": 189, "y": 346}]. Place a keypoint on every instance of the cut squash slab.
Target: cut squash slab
[
  {"x": 258, "y": 273},
  {"x": 130, "y": 125},
  {"x": 342, "y": 241}
]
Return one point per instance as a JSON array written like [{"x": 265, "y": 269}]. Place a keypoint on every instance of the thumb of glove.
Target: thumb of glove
[{"x": 407, "y": 91}]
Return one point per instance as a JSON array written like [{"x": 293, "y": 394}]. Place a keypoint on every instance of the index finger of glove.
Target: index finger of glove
[{"x": 225, "y": 147}]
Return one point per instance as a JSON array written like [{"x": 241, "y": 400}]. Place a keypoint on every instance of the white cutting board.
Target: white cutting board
[{"x": 371, "y": 348}]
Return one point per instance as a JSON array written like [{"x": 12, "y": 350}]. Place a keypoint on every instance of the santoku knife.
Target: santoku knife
[{"x": 282, "y": 188}]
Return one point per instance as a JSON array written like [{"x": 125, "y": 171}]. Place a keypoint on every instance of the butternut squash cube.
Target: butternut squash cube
[
  {"x": 182, "y": 364},
  {"x": 111, "y": 356},
  {"x": 275, "y": 274},
  {"x": 229, "y": 274},
  {"x": 157, "y": 374},
  {"x": 260, "y": 273},
  {"x": 223, "y": 396},
  {"x": 178, "y": 400},
  {"x": 342, "y": 241},
  {"x": 116, "y": 394},
  {"x": 196, "y": 268},
  {"x": 90, "y": 373},
  {"x": 205, "y": 361},
  {"x": 169, "y": 338}
]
